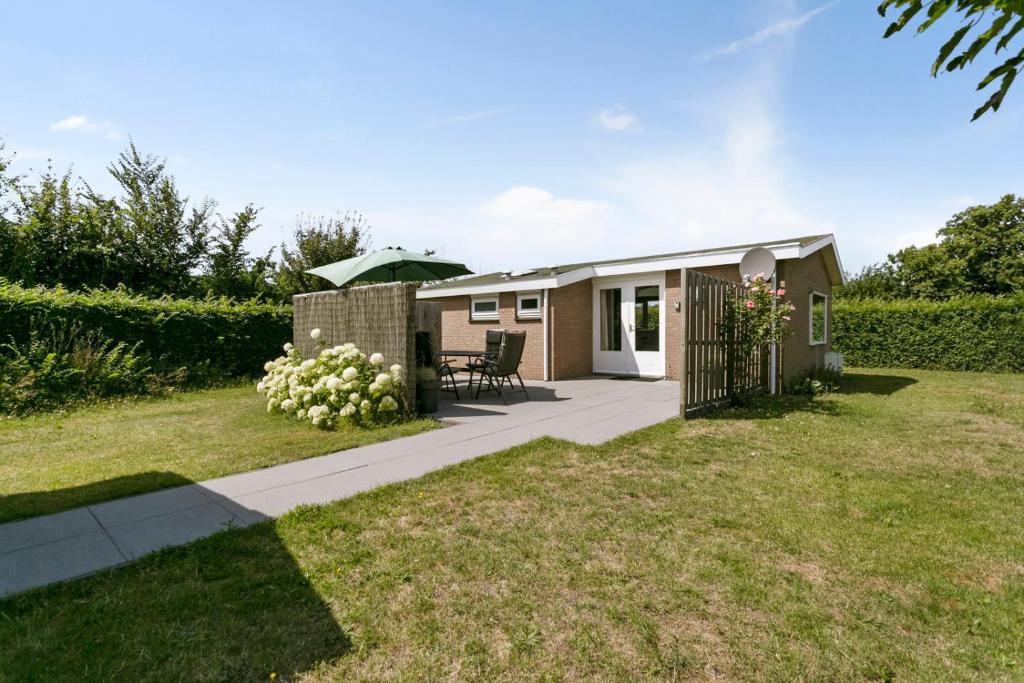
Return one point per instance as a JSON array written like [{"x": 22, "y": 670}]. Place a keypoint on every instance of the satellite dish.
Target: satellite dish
[{"x": 757, "y": 260}]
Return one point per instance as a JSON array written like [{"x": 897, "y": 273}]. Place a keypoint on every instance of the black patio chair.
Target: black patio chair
[
  {"x": 492, "y": 344},
  {"x": 504, "y": 367}
]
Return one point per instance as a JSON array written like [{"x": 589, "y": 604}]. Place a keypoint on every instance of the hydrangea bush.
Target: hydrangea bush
[{"x": 341, "y": 383}]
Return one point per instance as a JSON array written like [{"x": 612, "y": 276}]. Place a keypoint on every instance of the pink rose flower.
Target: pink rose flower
[
  {"x": 781, "y": 292},
  {"x": 771, "y": 292},
  {"x": 750, "y": 304},
  {"x": 785, "y": 317}
]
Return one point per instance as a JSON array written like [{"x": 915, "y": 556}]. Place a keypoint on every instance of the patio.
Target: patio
[{"x": 47, "y": 549}]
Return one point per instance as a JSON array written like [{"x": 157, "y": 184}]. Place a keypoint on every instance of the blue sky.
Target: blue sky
[{"x": 520, "y": 134}]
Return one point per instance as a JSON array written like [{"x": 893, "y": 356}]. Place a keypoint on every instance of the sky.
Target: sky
[{"x": 520, "y": 134}]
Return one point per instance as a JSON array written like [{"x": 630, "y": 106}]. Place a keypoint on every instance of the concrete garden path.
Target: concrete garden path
[{"x": 42, "y": 550}]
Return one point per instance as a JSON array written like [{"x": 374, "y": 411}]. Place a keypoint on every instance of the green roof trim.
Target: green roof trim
[{"x": 550, "y": 271}]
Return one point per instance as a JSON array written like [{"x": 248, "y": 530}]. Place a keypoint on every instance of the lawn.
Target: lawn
[
  {"x": 875, "y": 535},
  {"x": 57, "y": 461}
]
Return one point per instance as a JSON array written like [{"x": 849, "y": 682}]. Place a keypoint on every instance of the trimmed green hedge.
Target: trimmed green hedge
[
  {"x": 208, "y": 337},
  {"x": 982, "y": 334}
]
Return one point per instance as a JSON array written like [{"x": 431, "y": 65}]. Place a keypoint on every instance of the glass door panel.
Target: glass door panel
[{"x": 647, "y": 317}]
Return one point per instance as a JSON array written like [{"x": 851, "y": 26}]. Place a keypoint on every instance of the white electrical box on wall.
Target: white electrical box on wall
[{"x": 834, "y": 361}]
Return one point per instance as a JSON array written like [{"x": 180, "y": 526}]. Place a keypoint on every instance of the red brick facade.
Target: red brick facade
[
  {"x": 571, "y": 329},
  {"x": 459, "y": 332}
]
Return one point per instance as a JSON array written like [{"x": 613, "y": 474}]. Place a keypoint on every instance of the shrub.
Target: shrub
[
  {"x": 817, "y": 382},
  {"x": 59, "y": 366},
  {"x": 972, "y": 333},
  {"x": 210, "y": 338},
  {"x": 339, "y": 384}
]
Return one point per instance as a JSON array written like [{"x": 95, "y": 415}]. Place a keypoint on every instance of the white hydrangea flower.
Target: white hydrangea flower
[
  {"x": 268, "y": 366},
  {"x": 288, "y": 347},
  {"x": 365, "y": 406},
  {"x": 396, "y": 370},
  {"x": 376, "y": 360},
  {"x": 301, "y": 414},
  {"x": 383, "y": 379},
  {"x": 314, "y": 333},
  {"x": 388, "y": 404},
  {"x": 355, "y": 398},
  {"x": 374, "y": 388},
  {"x": 288, "y": 405},
  {"x": 348, "y": 410},
  {"x": 349, "y": 374},
  {"x": 332, "y": 382},
  {"x": 261, "y": 387}
]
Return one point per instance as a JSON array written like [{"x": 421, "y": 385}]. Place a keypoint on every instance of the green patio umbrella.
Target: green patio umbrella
[{"x": 390, "y": 264}]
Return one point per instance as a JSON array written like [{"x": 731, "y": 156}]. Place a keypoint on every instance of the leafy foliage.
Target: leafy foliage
[
  {"x": 60, "y": 365},
  {"x": 318, "y": 241},
  {"x": 209, "y": 338},
  {"x": 981, "y": 252},
  {"x": 758, "y": 318},
  {"x": 979, "y": 333},
  {"x": 231, "y": 270},
  {"x": 151, "y": 239},
  {"x": 1007, "y": 20},
  {"x": 817, "y": 382}
]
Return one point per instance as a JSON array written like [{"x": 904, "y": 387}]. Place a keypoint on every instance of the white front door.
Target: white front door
[{"x": 629, "y": 326}]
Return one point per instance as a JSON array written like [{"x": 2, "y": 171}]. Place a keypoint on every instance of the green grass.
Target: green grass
[
  {"x": 875, "y": 535},
  {"x": 56, "y": 461}
]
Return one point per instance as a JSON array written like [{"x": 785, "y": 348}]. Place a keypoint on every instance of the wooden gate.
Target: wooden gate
[{"x": 710, "y": 374}]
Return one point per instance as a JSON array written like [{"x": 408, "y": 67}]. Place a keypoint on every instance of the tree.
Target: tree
[
  {"x": 981, "y": 251},
  {"x": 318, "y": 241},
  {"x": 1007, "y": 22},
  {"x": 164, "y": 239},
  {"x": 231, "y": 271}
]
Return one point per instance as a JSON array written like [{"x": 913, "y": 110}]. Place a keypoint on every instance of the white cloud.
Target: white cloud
[
  {"x": 465, "y": 118},
  {"x": 71, "y": 123},
  {"x": 615, "y": 119},
  {"x": 83, "y": 124},
  {"x": 780, "y": 28}
]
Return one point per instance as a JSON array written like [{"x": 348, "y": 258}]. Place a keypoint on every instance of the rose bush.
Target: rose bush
[
  {"x": 752, "y": 321},
  {"x": 341, "y": 383}
]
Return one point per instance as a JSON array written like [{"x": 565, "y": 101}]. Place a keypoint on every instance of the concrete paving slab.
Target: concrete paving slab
[
  {"x": 175, "y": 528},
  {"x": 147, "y": 505},
  {"x": 61, "y": 560},
  {"x": 42, "y": 530}
]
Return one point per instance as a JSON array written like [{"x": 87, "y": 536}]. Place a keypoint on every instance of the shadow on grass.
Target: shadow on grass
[
  {"x": 232, "y": 606},
  {"x": 768, "y": 408},
  {"x": 34, "y": 503},
  {"x": 880, "y": 385}
]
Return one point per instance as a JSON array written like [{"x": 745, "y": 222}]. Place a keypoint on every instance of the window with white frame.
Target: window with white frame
[
  {"x": 818, "y": 323},
  {"x": 484, "y": 308},
  {"x": 528, "y": 305}
]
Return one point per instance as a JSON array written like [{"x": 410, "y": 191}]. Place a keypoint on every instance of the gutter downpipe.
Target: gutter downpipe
[{"x": 544, "y": 333}]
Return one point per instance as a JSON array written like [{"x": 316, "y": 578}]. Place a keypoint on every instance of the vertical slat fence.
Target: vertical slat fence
[{"x": 709, "y": 371}]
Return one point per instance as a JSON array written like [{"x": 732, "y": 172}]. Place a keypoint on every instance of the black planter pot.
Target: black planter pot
[{"x": 428, "y": 395}]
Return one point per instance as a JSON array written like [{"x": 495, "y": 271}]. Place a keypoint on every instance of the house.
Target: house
[{"x": 621, "y": 316}]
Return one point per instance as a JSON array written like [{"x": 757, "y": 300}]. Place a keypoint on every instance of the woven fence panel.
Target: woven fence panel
[{"x": 377, "y": 319}]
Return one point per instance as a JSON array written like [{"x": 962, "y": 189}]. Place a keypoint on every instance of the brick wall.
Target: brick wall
[
  {"x": 801, "y": 277},
  {"x": 572, "y": 329},
  {"x": 459, "y": 332}
]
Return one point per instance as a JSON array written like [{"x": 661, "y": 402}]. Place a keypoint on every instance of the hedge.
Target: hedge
[
  {"x": 205, "y": 336},
  {"x": 974, "y": 333}
]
